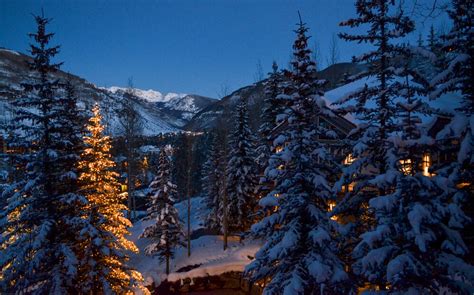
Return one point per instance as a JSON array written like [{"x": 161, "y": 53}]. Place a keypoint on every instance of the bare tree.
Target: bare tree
[
  {"x": 316, "y": 55},
  {"x": 132, "y": 127},
  {"x": 224, "y": 91},
  {"x": 259, "y": 75},
  {"x": 333, "y": 57}
]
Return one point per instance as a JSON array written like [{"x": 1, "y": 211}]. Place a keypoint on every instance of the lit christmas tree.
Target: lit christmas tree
[{"x": 104, "y": 266}]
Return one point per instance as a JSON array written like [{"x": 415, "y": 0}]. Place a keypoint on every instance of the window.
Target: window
[
  {"x": 349, "y": 159},
  {"x": 426, "y": 163},
  {"x": 406, "y": 166}
]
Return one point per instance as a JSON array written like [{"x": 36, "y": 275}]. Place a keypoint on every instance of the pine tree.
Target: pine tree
[
  {"x": 241, "y": 172},
  {"x": 212, "y": 184},
  {"x": 373, "y": 105},
  {"x": 416, "y": 220},
  {"x": 39, "y": 225},
  {"x": 166, "y": 232},
  {"x": 272, "y": 106},
  {"x": 299, "y": 254},
  {"x": 105, "y": 247}
]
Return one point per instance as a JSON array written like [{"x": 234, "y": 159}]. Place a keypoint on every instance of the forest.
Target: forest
[{"x": 354, "y": 179}]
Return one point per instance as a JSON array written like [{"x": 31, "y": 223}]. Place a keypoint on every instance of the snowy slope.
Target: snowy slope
[
  {"x": 155, "y": 116},
  {"x": 206, "y": 251},
  {"x": 178, "y": 107}
]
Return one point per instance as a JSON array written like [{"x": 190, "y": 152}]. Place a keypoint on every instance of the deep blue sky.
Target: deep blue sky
[{"x": 189, "y": 46}]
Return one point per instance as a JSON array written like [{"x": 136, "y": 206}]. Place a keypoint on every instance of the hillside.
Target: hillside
[
  {"x": 158, "y": 113},
  {"x": 209, "y": 116}
]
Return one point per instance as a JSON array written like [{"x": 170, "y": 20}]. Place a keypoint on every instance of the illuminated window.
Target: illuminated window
[
  {"x": 280, "y": 167},
  {"x": 331, "y": 205},
  {"x": 349, "y": 160},
  {"x": 278, "y": 149},
  {"x": 348, "y": 187},
  {"x": 277, "y": 195},
  {"x": 426, "y": 164},
  {"x": 406, "y": 166},
  {"x": 124, "y": 187}
]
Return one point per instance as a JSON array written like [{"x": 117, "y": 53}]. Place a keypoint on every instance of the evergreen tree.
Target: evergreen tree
[
  {"x": 212, "y": 184},
  {"x": 105, "y": 247},
  {"x": 272, "y": 106},
  {"x": 417, "y": 221},
  {"x": 166, "y": 232},
  {"x": 299, "y": 254},
  {"x": 374, "y": 105},
  {"x": 40, "y": 223},
  {"x": 241, "y": 177}
]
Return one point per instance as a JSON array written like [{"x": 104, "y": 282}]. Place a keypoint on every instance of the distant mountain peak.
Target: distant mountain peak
[{"x": 148, "y": 95}]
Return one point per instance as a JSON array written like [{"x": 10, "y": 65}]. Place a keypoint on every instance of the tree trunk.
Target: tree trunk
[
  {"x": 167, "y": 264},
  {"x": 189, "y": 224},
  {"x": 129, "y": 186},
  {"x": 188, "y": 192},
  {"x": 225, "y": 217}
]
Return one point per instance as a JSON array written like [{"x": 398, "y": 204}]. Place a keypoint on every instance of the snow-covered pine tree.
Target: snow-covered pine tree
[
  {"x": 299, "y": 254},
  {"x": 40, "y": 223},
  {"x": 417, "y": 223},
  {"x": 212, "y": 184},
  {"x": 241, "y": 172},
  {"x": 374, "y": 106},
  {"x": 104, "y": 268},
  {"x": 458, "y": 76},
  {"x": 166, "y": 232},
  {"x": 272, "y": 106}
]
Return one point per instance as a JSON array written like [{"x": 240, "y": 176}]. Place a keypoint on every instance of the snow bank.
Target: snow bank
[{"x": 206, "y": 251}]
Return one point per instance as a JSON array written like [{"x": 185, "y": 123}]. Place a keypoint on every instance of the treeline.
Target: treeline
[{"x": 387, "y": 219}]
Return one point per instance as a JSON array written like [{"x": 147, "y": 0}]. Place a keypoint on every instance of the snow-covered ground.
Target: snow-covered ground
[{"x": 206, "y": 251}]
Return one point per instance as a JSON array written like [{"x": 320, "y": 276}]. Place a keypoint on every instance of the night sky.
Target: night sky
[{"x": 187, "y": 46}]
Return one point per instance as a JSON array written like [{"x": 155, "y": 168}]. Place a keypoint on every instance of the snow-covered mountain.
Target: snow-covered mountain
[
  {"x": 179, "y": 106},
  {"x": 159, "y": 113},
  {"x": 149, "y": 95}
]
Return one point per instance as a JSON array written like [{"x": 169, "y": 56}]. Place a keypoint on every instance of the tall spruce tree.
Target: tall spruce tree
[
  {"x": 38, "y": 244},
  {"x": 166, "y": 232},
  {"x": 104, "y": 267},
  {"x": 417, "y": 222},
  {"x": 212, "y": 184},
  {"x": 373, "y": 105},
  {"x": 241, "y": 172},
  {"x": 457, "y": 78},
  {"x": 272, "y": 106},
  {"x": 299, "y": 254}
]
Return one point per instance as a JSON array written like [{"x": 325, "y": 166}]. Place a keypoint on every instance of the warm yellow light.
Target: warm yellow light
[
  {"x": 331, "y": 206},
  {"x": 463, "y": 184},
  {"x": 278, "y": 149},
  {"x": 406, "y": 166},
  {"x": 281, "y": 167},
  {"x": 349, "y": 159},
  {"x": 348, "y": 187},
  {"x": 426, "y": 164}
]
